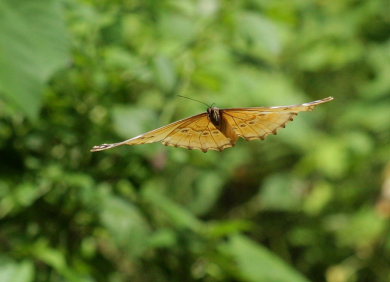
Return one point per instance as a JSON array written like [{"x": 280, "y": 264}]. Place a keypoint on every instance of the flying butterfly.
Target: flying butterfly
[{"x": 218, "y": 129}]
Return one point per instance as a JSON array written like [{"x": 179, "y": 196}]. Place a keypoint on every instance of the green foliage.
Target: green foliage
[
  {"x": 32, "y": 47},
  {"x": 308, "y": 204}
]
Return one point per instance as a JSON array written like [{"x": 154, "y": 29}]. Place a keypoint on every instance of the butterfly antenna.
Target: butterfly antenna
[{"x": 194, "y": 100}]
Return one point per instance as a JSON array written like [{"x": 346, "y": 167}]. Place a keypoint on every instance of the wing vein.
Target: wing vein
[
  {"x": 215, "y": 142},
  {"x": 256, "y": 134},
  {"x": 180, "y": 126}
]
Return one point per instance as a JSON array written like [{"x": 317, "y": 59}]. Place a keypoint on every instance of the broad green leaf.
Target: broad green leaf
[
  {"x": 360, "y": 229},
  {"x": 32, "y": 48},
  {"x": 16, "y": 272},
  {"x": 131, "y": 121},
  {"x": 165, "y": 73},
  {"x": 125, "y": 223},
  {"x": 55, "y": 258},
  {"x": 281, "y": 192},
  {"x": 207, "y": 192},
  {"x": 318, "y": 198},
  {"x": 177, "y": 215},
  {"x": 255, "y": 263},
  {"x": 263, "y": 36}
]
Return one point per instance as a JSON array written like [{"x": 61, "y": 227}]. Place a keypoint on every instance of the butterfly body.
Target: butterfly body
[
  {"x": 214, "y": 114},
  {"x": 219, "y": 129}
]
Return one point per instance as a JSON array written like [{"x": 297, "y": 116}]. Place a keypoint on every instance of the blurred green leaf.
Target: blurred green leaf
[
  {"x": 280, "y": 192},
  {"x": 176, "y": 214},
  {"x": 131, "y": 121},
  {"x": 318, "y": 198},
  {"x": 163, "y": 238},
  {"x": 126, "y": 224},
  {"x": 331, "y": 158},
  {"x": 165, "y": 73},
  {"x": 262, "y": 36},
  {"x": 379, "y": 58},
  {"x": 16, "y": 272},
  {"x": 31, "y": 50},
  {"x": 361, "y": 229},
  {"x": 56, "y": 259},
  {"x": 207, "y": 193},
  {"x": 255, "y": 263},
  {"x": 224, "y": 228}
]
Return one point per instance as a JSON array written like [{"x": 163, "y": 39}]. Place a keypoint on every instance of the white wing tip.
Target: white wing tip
[
  {"x": 102, "y": 147},
  {"x": 317, "y": 102},
  {"x": 327, "y": 99}
]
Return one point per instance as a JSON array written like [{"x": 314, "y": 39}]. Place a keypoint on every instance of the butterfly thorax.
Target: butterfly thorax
[{"x": 214, "y": 115}]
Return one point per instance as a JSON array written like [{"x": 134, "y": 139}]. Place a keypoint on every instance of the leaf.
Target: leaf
[
  {"x": 125, "y": 223},
  {"x": 361, "y": 229},
  {"x": 207, "y": 192},
  {"x": 165, "y": 73},
  {"x": 55, "y": 258},
  {"x": 255, "y": 263},
  {"x": 177, "y": 214},
  {"x": 265, "y": 35},
  {"x": 16, "y": 272},
  {"x": 125, "y": 124},
  {"x": 281, "y": 192},
  {"x": 31, "y": 49}
]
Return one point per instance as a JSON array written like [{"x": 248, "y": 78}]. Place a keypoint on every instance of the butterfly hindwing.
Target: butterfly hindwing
[{"x": 199, "y": 133}]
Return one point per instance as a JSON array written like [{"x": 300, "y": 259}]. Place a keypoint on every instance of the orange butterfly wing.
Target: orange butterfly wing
[
  {"x": 196, "y": 132},
  {"x": 259, "y": 122}
]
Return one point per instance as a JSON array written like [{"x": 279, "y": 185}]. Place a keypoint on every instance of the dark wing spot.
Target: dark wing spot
[
  {"x": 205, "y": 133},
  {"x": 242, "y": 125},
  {"x": 252, "y": 122},
  {"x": 215, "y": 132},
  {"x": 184, "y": 130}
]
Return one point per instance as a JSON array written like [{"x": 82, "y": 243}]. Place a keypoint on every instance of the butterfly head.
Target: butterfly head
[{"x": 214, "y": 115}]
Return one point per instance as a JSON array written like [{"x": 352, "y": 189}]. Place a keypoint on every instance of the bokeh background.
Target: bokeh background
[{"x": 310, "y": 204}]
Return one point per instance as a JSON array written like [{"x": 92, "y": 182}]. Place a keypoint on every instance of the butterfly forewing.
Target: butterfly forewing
[
  {"x": 196, "y": 132},
  {"x": 259, "y": 122},
  {"x": 291, "y": 108}
]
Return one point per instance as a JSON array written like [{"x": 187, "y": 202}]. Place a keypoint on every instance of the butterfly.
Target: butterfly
[{"x": 219, "y": 129}]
